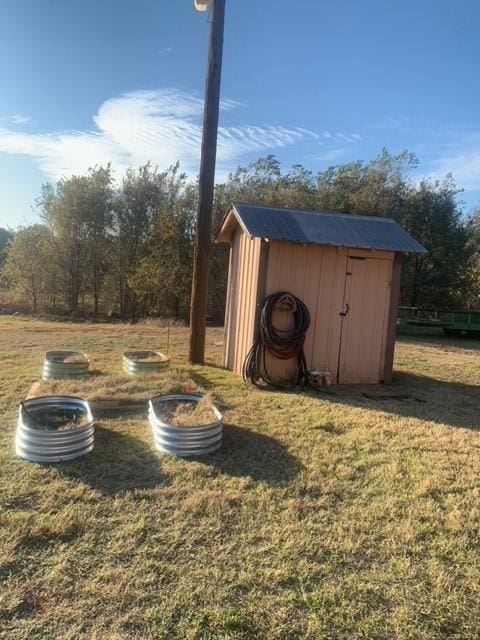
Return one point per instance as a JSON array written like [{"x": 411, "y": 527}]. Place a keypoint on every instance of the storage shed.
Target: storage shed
[{"x": 346, "y": 269}]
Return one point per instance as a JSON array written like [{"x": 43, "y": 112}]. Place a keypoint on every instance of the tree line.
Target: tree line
[{"x": 125, "y": 250}]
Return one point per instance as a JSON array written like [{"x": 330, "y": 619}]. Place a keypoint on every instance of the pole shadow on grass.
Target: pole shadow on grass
[
  {"x": 208, "y": 385},
  {"x": 247, "y": 453},
  {"x": 118, "y": 463}
]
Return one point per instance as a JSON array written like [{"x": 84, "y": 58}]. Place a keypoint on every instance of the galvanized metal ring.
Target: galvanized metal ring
[
  {"x": 55, "y": 368},
  {"x": 135, "y": 366},
  {"x": 34, "y": 441},
  {"x": 188, "y": 440}
]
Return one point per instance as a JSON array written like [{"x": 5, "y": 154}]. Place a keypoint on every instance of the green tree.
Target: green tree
[
  {"x": 98, "y": 226},
  {"x": 27, "y": 264},
  {"x": 380, "y": 187},
  {"x": 441, "y": 278},
  {"x": 78, "y": 213},
  {"x": 474, "y": 266},
  {"x": 153, "y": 238},
  {"x": 63, "y": 210},
  {"x": 172, "y": 243},
  {"x": 5, "y": 237},
  {"x": 134, "y": 208}
]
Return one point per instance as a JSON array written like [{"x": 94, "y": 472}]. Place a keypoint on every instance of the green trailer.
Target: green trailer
[
  {"x": 452, "y": 323},
  {"x": 457, "y": 323}
]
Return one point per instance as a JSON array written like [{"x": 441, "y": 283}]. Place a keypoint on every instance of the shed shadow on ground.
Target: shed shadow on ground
[
  {"x": 247, "y": 453},
  {"x": 118, "y": 463},
  {"x": 443, "y": 402}
]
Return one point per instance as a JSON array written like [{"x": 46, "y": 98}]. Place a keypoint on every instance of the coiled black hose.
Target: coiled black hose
[{"x": 281, "y": 344}]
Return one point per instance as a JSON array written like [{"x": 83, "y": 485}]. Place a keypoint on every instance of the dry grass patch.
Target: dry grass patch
[
  {"x": 186, "y": 412},
  {"x": 121, "y": 387},
  {"x": 145, "y": 356},
  {"x": 322, "y": 516}
]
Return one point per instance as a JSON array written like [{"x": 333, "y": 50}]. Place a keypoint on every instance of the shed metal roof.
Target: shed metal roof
[{"x": 319, "y": 227}]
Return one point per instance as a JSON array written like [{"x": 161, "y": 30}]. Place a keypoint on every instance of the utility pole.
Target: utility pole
[{"x": 198, "y": 302}]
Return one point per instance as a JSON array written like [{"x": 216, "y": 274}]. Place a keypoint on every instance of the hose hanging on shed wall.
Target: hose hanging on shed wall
[{"x": 282, "y": 344}]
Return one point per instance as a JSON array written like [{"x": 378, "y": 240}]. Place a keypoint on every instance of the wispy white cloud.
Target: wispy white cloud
[
  {"x": 442, "y": 149},
  {"x": 461, "y": 158},
  {"x": 166, "y": 50},
  {"x": 158, "y": 126},
  {"x": 389, "y": 123},
  {"x": 331, "y": 155},
  {"x": 342, "y": 136},
  {"x": 15, "y": 118},
  {"x": 309, "y": 133}
]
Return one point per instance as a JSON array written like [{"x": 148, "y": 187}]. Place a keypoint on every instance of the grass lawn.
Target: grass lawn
[{"x": 322, "y": 517}]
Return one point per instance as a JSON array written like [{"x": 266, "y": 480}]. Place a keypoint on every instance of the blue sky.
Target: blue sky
[{"x": 314, "y": 82}]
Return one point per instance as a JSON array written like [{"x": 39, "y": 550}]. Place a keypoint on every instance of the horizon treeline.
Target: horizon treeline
[{"x": 107, "y": 250}]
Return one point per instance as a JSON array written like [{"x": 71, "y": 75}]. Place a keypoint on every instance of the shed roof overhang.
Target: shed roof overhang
[
  {"x": 318, "y": 228},
  {"x": 231, "y": 220}
]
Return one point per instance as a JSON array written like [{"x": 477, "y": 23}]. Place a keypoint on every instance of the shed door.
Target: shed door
[{"x": 364, "y": 320}]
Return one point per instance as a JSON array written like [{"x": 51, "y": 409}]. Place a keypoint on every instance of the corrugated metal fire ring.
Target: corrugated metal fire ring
[
  {"x": 135, "y": 363},
  {"x": 55, "y": 367},
  {"x": 39, "y": 439},
  {"x": 191, "y": 440}
]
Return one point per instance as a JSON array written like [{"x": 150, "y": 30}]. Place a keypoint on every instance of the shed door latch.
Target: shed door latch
[{"x": 345, "y": 310}]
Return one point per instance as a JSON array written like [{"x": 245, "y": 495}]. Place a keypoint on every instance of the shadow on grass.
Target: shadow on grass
[
  {"x": 207, "y": 385},
  {"x": 117, "y": 463},
  {"x": 201, "y": 380},
  {"x": 468, "y": 342},
  {"x": 249, "y": 454},
  {"x": 215, "y": 365},
  {"x": 95, "y": 373},
  {"x": 409, "y": 395}
]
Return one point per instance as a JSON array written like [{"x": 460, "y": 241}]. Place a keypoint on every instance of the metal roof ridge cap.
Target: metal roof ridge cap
[{"x": 361, "y": 216}]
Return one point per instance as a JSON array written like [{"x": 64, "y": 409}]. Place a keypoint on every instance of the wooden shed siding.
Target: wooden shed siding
[
  {"x": 261, "y": 285},
  {"x": 249, "y": 296},
  {"x": 242, "y": 296},
  {"x": 230, "y": 313},
  {"x": 316, "y": 275},
  {"x": 325, "y": 315},
  {"x": 364, "y": 328}
]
